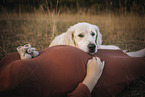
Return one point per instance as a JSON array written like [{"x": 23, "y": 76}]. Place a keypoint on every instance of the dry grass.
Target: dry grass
[{"x": 39, "y": 28}]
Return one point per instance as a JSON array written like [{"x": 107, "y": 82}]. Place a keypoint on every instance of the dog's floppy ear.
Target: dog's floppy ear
[
  {"x": 99, "y": 36},
  {"x": 70, "y": 37}
]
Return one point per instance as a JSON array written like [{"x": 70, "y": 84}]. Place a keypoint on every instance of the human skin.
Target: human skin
[{"x": 94, "y": 71}]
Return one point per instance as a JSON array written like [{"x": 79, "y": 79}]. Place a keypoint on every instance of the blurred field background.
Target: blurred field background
[{"x": 37, "y": 22}]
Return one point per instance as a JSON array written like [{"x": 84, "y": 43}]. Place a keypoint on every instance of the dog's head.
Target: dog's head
[{"x": 85, "y": 36}]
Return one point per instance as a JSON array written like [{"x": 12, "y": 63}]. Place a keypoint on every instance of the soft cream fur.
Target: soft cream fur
[{"x": 71, "y": 37}]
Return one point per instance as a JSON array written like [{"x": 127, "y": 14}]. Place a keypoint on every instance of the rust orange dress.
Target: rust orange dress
[{"x": 58, "y": 72}]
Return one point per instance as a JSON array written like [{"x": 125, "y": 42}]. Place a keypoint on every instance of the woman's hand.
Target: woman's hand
[{"x": 94, "y": 71}]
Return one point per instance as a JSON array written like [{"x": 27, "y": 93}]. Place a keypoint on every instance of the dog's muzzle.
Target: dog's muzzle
[{"x": 92, "y": 48}]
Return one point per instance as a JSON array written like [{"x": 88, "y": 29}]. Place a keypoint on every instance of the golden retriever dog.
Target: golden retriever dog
[{"x": 88, "y": 38}]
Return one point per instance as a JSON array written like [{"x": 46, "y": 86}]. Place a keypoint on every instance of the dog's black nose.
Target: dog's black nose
[{"x": 92, "y": 47}]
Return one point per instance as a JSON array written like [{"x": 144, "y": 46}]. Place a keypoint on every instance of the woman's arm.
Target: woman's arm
[{"x": 94, "y": 71}]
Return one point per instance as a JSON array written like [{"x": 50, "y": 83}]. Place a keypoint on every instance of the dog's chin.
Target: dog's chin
[
  {"x": 88, "y": 51},
  {"x": 92, "y": 53}
]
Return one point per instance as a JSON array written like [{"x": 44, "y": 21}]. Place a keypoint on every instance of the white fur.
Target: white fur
[
  {"x": 140, "y": 53},
  {"x": 70, "y": 37}
]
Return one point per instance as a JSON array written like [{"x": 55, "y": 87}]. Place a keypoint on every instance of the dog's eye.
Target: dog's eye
[
  {"x": 92, "y": 33},
  {"x": 81, "y": 35}
]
